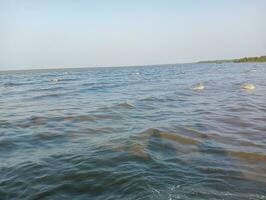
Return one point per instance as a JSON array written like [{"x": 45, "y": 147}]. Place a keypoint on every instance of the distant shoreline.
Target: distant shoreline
[{"x": 239, "y": 60}]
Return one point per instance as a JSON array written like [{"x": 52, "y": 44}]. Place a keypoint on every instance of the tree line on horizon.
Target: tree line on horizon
[{"x": 239, "y": 60}]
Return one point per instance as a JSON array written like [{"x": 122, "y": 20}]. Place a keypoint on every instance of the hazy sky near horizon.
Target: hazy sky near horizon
[{"x": 84, "y": 33}]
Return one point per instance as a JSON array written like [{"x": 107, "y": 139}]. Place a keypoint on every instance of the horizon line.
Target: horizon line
[
  {"x": 83, "y": 67},
  {"x": 121, "y": 66}
]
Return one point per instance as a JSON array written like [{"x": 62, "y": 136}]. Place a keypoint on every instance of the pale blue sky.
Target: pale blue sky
[{"x": 84, "y": 33}]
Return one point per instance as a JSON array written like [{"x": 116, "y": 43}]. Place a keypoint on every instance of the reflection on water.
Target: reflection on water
[{"x": 134, "y": 133}]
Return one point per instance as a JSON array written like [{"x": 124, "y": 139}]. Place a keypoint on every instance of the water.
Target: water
[{"x": 133, "y": 133}]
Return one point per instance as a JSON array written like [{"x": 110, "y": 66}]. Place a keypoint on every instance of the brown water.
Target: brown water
[{"x": 134, "y": 133}]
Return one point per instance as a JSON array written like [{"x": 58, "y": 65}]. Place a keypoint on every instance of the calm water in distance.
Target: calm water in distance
[{"x": 133, "y": 133}]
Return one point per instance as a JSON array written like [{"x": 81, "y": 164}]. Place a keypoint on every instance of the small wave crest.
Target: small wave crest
[
  {"x": 152, "y": 132},
  {"x": 125, "y": 105}
]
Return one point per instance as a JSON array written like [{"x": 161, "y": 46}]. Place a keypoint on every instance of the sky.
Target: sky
[{"x": 38, "y": 34}]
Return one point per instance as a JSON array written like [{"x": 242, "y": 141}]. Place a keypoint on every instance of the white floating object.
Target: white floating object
[
  {"x": 198, "y": 86},
  {"x": 248, "y": 86}
]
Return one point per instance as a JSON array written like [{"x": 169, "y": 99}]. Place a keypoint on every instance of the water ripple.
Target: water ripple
[{"x": 133, "y": 133}]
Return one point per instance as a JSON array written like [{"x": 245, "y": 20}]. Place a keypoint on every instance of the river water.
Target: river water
[{"x": 134, "y": 133}]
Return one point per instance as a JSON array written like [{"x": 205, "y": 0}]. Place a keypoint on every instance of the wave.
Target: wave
[
  {"x": 45, "y": 96},
  {"x": 87, "y": 84},
  {"x": 151, "y": 98},
  {"x": 156, "y": 133},
  {"x": 91, "y": 117},
  {"x": 250, "y": 156},
  {"x": 125, "y": 105},
  {"x": 63, "y": 79},
  {"x": 43, "y": 120},
  {"x": 13, "y": 84},
  {"x": 46, "y": 136},
  {"x": 46, "y": 89},
  {"x": 164, "y": 99},
  {"x": 6, "y": 144}
]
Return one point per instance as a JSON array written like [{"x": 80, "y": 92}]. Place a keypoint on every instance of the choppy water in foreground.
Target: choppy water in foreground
[{"x": 133, "y": 133}]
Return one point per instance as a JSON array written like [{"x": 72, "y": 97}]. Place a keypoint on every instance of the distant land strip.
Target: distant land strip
[{"x": 240, "y": 60}]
